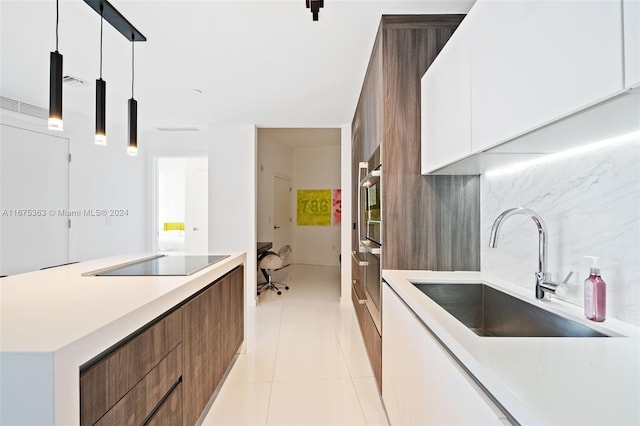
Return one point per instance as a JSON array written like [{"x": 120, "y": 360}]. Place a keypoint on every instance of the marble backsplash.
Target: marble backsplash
[{"x": 591, "y": 205}]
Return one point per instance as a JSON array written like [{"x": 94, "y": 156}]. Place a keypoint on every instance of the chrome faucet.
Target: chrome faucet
[{"x": 543, "y": 278}]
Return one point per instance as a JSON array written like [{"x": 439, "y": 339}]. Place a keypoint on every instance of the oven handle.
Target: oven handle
[
  {"x": 370, "y": 248},
  {"x": 371, "y": 178},
  {"x": 356, "y": 258},
  {"x": 363, "y": 165}
]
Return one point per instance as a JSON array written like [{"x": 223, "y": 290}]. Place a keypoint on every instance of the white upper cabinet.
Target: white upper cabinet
[
  {"x": 446, "y": 103},
  {"x": 631, "y": 12},
  {"x": 535, "y": 61}
]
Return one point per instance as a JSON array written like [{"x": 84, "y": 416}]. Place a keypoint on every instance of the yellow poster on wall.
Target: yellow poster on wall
[{"x": 314, "y": 207}]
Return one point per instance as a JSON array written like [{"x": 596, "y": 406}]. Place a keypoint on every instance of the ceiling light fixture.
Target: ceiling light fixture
[
  {"x": 132, "y": 149},
  {"x": 55, "y": 84},
  {"x": 120, "y": 23},
  {"x": 315, "y": 6},
  {"x": 101, "y": 96}
]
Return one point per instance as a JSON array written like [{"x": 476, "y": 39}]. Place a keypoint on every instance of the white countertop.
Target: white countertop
[
  {"x": 542, "y": 380},
  {"x": 60, "y": 317}
]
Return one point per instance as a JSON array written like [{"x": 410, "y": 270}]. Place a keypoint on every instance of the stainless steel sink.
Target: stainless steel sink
[{"x": 490, "y": 312}]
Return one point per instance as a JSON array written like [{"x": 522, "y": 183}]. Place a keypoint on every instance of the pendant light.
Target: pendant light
[
  {"x": 101, "y": 93},
  {"x": 55, "y": 84},
  {"x": 132, "y": 149}
]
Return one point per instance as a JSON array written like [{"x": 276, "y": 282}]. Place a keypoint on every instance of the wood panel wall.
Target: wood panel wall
[{"x": 429, "y": 222}]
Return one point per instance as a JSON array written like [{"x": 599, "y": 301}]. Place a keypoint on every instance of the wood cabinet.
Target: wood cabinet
[
  {"x": 631, "y": 24},
  {"x": 423, "y": 384},
  {"x": 166, "y": 372},
  {"x": 212, "y": 332},
  {"x": 427, "y": 222},
  {"x": 145, "y": 400},
  {"x": 421, "y": 217},
  {"x": 533, "y": 62},
  {"x": 446, "y": 103},
  {"x": 105, "y": 382}
]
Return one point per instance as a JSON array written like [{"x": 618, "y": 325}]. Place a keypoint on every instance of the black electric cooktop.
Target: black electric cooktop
[{"x": 165, "y": 265}]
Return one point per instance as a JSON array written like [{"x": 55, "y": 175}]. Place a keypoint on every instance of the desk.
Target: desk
[{"x": 263, "y": 247}]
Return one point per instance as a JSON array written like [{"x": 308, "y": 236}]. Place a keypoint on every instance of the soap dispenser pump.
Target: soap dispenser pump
[{"x": 595, "y": 293}]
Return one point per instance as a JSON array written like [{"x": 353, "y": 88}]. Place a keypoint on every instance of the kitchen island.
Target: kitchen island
[
  {"x": 438, "y": 371},
  {"x": 56, "y": 324}
]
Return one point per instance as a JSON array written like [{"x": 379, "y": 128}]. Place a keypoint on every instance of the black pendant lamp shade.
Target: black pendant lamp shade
[
  {"x": 101, "y": 104},
  {"x": 55, "y": 91},
  {"x": 55, "y": 85},
  {"x": 132, "y": 149},
  {"x": 101, "y": 98}
]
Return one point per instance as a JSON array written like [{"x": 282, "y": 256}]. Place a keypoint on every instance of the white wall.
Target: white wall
[
  {"x": 316, "y": 168},
  {"x": 274, "y": 159},
  {"x": 345, "y": 229},
  {"x": 105, "y": 177},
  {"x": 591, "y": 205},
  {"x": 232, "y": 196},
  {"x": 100, "y": 177}
]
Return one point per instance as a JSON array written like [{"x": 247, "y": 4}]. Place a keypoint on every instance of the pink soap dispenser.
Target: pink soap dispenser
[{"x": 595, "y": 293}]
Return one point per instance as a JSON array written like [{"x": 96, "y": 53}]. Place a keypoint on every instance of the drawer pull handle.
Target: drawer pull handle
[
  {"x": 356, "y": 258},
  {"x": 159, "y": 404}
]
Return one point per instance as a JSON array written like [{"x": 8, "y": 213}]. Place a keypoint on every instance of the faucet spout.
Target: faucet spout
[{"x": 542, "y": 275}]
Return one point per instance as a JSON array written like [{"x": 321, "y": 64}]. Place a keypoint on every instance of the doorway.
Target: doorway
[
  {"x": 182, "y": 208},
  {"x": 34, "y": 224},
  {"x": 281, "y": 212}
]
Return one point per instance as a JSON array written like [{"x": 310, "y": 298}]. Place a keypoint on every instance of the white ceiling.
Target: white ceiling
[{"x": 260, "y": 62}]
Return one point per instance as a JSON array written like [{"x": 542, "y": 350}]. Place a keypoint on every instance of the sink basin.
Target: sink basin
[{"x": 492, "y": 313}]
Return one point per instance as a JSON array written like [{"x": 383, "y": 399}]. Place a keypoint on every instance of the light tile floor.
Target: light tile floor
[{"x": 305, "y": 362}]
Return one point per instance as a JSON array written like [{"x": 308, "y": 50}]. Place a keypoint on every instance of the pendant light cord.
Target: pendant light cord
[
  {"x": 133, "y": 68},
  {"x": 101, "y": 22},
  {"x": 57, "y": 18}
]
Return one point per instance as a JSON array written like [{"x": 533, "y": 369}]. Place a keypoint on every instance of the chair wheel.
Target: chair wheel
[
  {"x": 279, "y": 292},
  {"x": 286, "y": 287}
]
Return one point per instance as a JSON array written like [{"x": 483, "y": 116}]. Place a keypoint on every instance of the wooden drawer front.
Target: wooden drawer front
[
  {"x": 371, "y": 337},
  {"x": 157, "y": 387},
  {"x": 106, "y": 382},
  {"x": 170, "y": 412},
  {"x": 373, "y": 343}
]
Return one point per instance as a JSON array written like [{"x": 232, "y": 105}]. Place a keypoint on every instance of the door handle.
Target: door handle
[
  {"x": 196, "y": 229},
  {"x": 276, "y": 227}
]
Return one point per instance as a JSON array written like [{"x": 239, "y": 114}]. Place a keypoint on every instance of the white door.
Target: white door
[
  {"x": 281, "y": 212},
  {"x": 34, "y": 200},
  {"x": 196, "y": 226}
]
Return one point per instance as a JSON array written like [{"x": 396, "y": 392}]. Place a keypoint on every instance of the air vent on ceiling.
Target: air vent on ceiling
[
  {"x": 72, "y": 81},
  {"x": 177, "y": 129},
  {"x": 23, "y": 108},
  {"x": 10, "y": 104}
]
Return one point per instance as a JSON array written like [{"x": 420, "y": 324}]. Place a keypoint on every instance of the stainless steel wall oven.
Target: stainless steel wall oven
[{"x": 370, "y": 231}]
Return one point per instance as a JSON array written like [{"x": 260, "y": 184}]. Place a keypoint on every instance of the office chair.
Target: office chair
[{"x": 272, "y": 262}]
